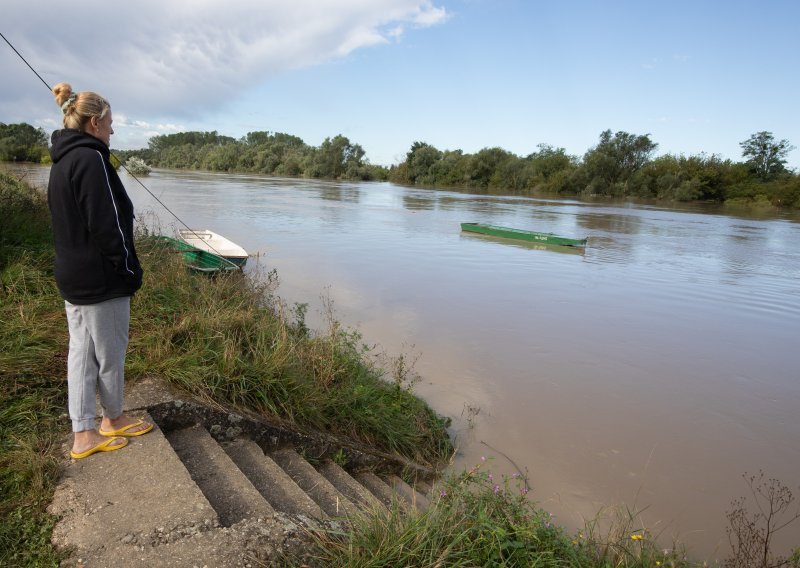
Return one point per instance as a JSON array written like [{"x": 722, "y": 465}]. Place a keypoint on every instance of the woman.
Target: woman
[{"x": 96, "y": 269}]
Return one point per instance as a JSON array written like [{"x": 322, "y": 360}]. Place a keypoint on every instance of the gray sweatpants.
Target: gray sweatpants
[{"x": 98, "y": 339}]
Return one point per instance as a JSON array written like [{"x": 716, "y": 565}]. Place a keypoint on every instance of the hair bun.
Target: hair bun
[{"x": 62, "y": 92}]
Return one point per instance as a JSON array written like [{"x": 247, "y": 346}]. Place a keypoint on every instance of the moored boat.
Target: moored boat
[
  {"x": 213, "y": 243},
  {"x": 196, "y": 259},
  {"x": 521, "y": 234}
]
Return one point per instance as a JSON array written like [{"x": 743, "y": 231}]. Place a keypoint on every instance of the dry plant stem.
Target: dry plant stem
[{"x": 751, "y": 534}]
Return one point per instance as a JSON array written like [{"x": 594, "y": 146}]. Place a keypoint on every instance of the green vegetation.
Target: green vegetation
[
  {"x": 475, "y": 520},
  {"x": 229, "y": 339},
  {"x": 261, "y": 152},
  {"x": 137, "y": 166},
  {"x": 620, "y": 165},
  {"x": 766, "y": 157},
  {"x": 32, "y": 382},
  {"x": 226, "y": 339},
  {"x": 22, "y": 143}
]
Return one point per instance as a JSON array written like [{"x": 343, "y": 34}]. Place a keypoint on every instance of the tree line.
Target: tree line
[
  {"x": 273, "y": 153},
  {"x": 621, "y": 164}
]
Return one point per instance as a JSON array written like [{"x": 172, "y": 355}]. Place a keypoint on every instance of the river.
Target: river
[{"x": 654, "y": 369}]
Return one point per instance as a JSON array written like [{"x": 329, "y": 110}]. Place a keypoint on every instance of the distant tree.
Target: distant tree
[
  {"x": 262, "y": 138},
  {"x": 335, "y": 158},
  {"x": 549, "y": 160},
  {"x": 256, "y": 138},
  {"x": 610, "y": 166},
  {"x": 355, "y": 165},
  {"x": 421, "y": 159},
  {"x": 289, "y": 140},
  {"x": 511, "y": 175},
  {"x": 398, "y": 173},
  {"x": 220, "y": 158},
  {"x": 164, "y": 141},
  {"x": 451, "y": 170},
  {"x": 22, "y": 142},
  {"x": 764, "y": 155},
  {"x": 482, "y": 166},
  {"x": 271, "y": 153},
  {"x": 690, "y": 178}
]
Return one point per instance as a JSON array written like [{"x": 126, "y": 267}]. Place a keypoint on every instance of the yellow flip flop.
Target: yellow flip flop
[
  {"x": 104, "y": 446},
  {"x": 124, "y": 430}
]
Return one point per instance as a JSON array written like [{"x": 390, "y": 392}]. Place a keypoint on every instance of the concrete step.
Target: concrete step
[
  {"x": 225, "y": 486},
  {"x": 322, "y": 491},
  {"x": 175, "y": 497},
  {"x": 271, "y": 480},
  {"x": 251, "y": 542},
  {"x": 110, "y": 499},
  {"x": 348, "y": 486},
  {"x": 413, "y": 497},
  {"x": 377, "y": 487}
]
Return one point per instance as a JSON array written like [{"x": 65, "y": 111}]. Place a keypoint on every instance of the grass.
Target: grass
[
  {"x": 230, "y": 340},
  {"x": 477, "y": 520},
  {"x": 227, "y": 339},
  {"x": 32, "y": 383}
]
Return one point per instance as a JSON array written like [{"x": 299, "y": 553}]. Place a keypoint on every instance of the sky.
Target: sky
[{"x": 697, "y": 76}]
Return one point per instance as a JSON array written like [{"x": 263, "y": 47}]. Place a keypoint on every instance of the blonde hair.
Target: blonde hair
[{"x": 79, "y": 108}]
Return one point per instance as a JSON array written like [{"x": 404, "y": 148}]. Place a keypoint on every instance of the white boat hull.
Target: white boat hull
[{"x": 210, "y": 241}]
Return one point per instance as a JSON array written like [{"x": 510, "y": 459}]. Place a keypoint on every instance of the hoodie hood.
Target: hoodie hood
[{"x": 66, "y": 140}]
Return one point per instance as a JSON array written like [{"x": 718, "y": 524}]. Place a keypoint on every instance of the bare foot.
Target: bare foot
[
  {"x": 88, "y": 439},
  {"x": 124, "y": 426}
]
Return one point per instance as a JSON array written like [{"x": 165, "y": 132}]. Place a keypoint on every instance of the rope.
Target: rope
[{"x": 26, "y": 63}]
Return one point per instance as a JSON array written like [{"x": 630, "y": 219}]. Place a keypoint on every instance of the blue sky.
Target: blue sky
[{"x": 697, "y": 76}]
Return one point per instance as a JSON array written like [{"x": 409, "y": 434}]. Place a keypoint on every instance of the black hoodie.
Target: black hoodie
[{"x": 92, "y": 222}]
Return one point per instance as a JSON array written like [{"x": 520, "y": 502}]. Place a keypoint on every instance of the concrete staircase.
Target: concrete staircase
[{"x": 212, "y": 488}]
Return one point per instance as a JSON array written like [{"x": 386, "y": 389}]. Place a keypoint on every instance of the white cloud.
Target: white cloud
[
  {"x": 395, "y": 32},
  {"x": 428, "y": 15},
  {"x": 183, "y": 58},
  {"x": 122, "y": 121}
]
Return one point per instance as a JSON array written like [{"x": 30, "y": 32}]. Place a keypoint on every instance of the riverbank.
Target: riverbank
[
  {"x": 198, "y": 333},
  {"x": 225, "y": 340}
]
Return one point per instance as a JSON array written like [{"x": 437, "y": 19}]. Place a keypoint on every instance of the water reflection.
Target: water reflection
[
  {"x": 417, "y": 203},
  {"x": 453, "y": 203},
  {"x": 343, "y": 193},
  {"x": 608, "y": 223}
]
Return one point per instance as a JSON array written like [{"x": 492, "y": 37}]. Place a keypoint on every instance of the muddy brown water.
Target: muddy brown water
[{"x": 653, "y": 369}]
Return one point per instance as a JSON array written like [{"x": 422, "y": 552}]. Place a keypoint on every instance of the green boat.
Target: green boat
[
  {"x": 519, "y": 234},
  {"x": 196, "y": 259}
]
